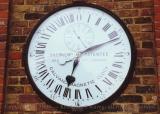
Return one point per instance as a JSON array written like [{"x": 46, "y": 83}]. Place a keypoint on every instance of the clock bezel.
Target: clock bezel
[{"x": 130, "y": 38}]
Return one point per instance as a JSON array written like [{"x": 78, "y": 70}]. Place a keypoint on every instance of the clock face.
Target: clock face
[{"x": 79, "y": 55}]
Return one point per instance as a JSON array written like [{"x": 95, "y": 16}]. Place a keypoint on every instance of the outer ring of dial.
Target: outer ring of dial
[{"x": 130, "y": 38}]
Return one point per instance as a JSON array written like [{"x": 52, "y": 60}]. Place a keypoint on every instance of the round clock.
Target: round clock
[{"x": 79, "y": 55}]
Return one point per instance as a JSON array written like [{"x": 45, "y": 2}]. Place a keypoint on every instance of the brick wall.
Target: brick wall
[
  {"x": 138, "y": 98},
  {"x": 3, "y": 39},
  {"x": 157, "y": 38}
]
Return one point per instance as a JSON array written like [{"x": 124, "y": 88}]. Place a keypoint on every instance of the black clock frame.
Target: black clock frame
[{"x": 121, "y": 88}]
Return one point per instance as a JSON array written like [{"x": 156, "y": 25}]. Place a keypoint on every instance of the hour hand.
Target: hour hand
[{"x": 64, "y": 61}]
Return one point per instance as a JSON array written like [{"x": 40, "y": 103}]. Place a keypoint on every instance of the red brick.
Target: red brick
[
  {"x": 3, "y": 7},
  {"x": 3, "y": 22},
  {"x": 144, "y": 52},
  {"x": 20, "y": 23},
  {"x": 2, "y": 46},
  {"x": 3, "y": 14},
  {"x": 156, "y": 2},
  {"x": 158, "y": 43},
  {"x": 143, "y": 4},
  {"x": 157, "y": 18},
  {"x": 15, "y": 55},
  {"x": 29, "y": 99},
  {"x": 16, "y": 30},
  {"x": 158, "y": 60},
  {"x": 3, "y": 38},
  {"x": 157, "y": 26},
  {"x": 1, "y": 97},
  {"x": 158, "y": 51},
  {"x": 157, "y": 9},
  {"x": 1, "y": 83},
  {"x": 3, "y": 30},
  {"x": 147, "y": 12},
  {"x": 2, "y": 62},
  {"x": 12, "y": 81},
  {"x": 18, "y": 2},
  {"x": 4, "y": 1},
  {"x": 128, "y": 13},
  {"x": 2, "y": 53},
  {"x": 1, "y": 71},
  {"x": 15, "y": 89},
  {"x": 157, "y": 34}
]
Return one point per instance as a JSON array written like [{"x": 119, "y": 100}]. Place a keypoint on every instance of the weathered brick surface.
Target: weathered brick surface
[
  {"x": 139, "y": 15},
  {"x": 3, "y": 38},
  {"x": 157, "y": 37}
]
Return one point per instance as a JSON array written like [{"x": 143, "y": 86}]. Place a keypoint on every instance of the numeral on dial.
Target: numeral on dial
[
  {"x": 112, "y": 74},
  {"x": 88, "y": 93},
  {"x": 98, "y": 88},
  {"x": 113, "y": 35},
  {"x": 77, "y": 94},
  {"x": 106, "y": 27},
  {"x": 58, "y": 89},
  {"x": 52, "y": 28},
  {"x": 41, "y": 45},
  {"x": 67, "y": 92},
  {"x": 44, "y": 73},
  {"x": 107, "y": 81},
  {"x": 49, "y": 83},
  {"x": 98, "y": 21}
]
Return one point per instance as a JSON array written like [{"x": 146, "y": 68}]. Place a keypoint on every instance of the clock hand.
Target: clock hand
[
  {"x": 70, "y": 78},
  {"x": 98, "y": 45},
  {"x": 90, "y": 49}
]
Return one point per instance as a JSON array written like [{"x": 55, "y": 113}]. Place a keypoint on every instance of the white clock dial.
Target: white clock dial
[
  {"x": 80, "y": 55},
  {"x": 78, "y": 37}
]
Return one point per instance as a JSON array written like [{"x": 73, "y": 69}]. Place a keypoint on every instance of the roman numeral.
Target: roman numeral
[
  {"x": 79, "y": 17},
  {"x": 89, "y": 17},
  {"x": 40, "y": 51},
  {"x": 88, "y": 93},
  {"x": 40, "y": 65},
  {"x": 98, "y": 21},
  {"x": 112, "y": 75},
  {"x": 49, "y": 83},
  {"x": 45, "y": 36},
  {"x": 117, "y": 64},
  {"x": 60, "y": 22},
  {"x": 41, "y": 45},
  {"x": 58, "y": 89},
  {"x": 107, "y": 81},
  {"x": 119, "y": 54},
  {"x": 67, "y": 92},
  {"x": 43, "y": 74},
  {"x": 106, "y": 27},
  {"x": 98, "y": 88},
  {"x": 52, "y": 28},
  {"x": 77, "y": 94},
  {"x": 113, "y": 35},
  {"x": 69, "y": 19}
]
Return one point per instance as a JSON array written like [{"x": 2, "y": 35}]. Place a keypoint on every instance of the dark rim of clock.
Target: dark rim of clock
[{"x": 133, "y": 54}]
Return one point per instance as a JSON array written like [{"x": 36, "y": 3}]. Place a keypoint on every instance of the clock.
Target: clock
[{"x": 79, "y": 55}]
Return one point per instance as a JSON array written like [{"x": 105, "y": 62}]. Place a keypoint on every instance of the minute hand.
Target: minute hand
[{"x": 98, "y": 45}]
